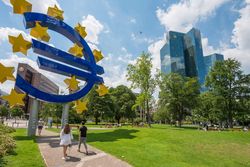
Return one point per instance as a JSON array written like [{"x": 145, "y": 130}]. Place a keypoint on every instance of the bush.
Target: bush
[
  {"x": 7, "y": 143},
  {"x": 6, "y": 129}
]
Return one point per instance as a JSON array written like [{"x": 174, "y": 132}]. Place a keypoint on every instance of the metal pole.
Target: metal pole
[
  {"x": 33, "y": 118},
  {"x": 65, "y": 114}
]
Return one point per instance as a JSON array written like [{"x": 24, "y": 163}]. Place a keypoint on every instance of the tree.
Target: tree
[
  {"x": 16, "y": 112},
  {"x": 178, "y": 96},
  {"x": 4, "y": 112},
  {"x": 209, "y": 108},
  {"x": 226, "y": 80},
  {"x": 52, "y": 110},
  {"x": 100, "y": 106},
  {"x": 141, "y": 78},
  {"x": 123, "y": 99}
]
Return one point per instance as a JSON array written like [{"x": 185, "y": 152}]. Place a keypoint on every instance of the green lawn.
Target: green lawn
[
  {"x": 165, "y": 146},
  {"x": 26, "y": 154}
]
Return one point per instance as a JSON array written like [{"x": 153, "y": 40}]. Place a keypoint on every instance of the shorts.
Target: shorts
[
  {"x": 40, "y": 127},
  {"x": 83, "y": 139}
]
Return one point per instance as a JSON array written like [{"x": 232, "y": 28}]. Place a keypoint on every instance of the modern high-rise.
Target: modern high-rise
[
  {"x": 183, "y": 54},
  {"x": 211, "y": 59}
]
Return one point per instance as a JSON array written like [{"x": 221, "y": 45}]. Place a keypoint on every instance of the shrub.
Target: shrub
[
  {"x": 7, "y": 143},
  {"x": 6, "y": 129}
]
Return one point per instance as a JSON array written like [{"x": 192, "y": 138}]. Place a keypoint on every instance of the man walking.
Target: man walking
[{"x": 83, "y": 137}]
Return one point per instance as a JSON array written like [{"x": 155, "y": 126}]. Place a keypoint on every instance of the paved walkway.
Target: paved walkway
[{"x": 52, "y": 153}]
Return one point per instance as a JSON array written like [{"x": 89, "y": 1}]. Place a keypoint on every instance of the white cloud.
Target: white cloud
[
  {"x": 6, "y": 31},
  {"x": 154, "y": 50},
  {"x": 13, "y": 60},
  {"x": 208, "y": 49},
  {"x": 93, "y": 28},
  {"x": 183, "y": 15},
  {"x": 115, "y": 67},
  {"x": 39, "y": 5},
  {"x": 240, "y": 39}
]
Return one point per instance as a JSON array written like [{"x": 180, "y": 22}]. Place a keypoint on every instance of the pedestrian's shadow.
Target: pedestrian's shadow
[
  {"x": 89, "y": 153},
  {"x": 73, "y": 159}
]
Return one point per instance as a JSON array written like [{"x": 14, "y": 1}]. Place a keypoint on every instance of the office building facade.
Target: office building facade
[
  {"x": 37, "y": 80},
  {"x": 211, "y": 59},
  {"x": 183, "y": 54}
]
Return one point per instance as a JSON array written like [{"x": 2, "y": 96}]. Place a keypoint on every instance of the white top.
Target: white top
[{"x": 65, "y": 138}]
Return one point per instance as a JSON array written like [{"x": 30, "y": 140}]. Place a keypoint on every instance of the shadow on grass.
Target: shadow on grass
[
  {"x": 111, "y": 136},
  {"x": 2, "y": 162}
]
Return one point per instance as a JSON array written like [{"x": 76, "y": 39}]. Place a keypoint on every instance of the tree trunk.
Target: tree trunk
[
  {"x": 96, "y": 120},
  {"x": 148, "y": 114},
  {"x": 57, "y": 120},
  {"x": 118, "y": 120}
]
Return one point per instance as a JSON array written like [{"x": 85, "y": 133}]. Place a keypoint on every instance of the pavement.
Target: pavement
[{"x": 52, "y": 153}]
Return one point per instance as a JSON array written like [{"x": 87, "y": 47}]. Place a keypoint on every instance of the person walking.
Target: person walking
[
  {"x": 40, "y": 126},
  {"x": 66, "y": 137},
  {"x": 83, "y": 137}
]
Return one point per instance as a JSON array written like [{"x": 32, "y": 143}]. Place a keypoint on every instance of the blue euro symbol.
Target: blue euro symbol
[{"x": 86, "y": 69}]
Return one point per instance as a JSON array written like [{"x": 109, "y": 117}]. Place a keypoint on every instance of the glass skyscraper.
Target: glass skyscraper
[
  {"x": 183, "y": 54},
  {"x": 172, "y": 55},
  {"x": 211, "y": 59}
]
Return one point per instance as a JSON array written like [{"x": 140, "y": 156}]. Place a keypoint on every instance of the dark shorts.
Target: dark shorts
[
  {"x": 40, "y": 127},
  {"x": 83, "y": 139}
]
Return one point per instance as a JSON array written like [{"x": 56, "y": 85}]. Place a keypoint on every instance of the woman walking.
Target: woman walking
[
  {"x": 66, "y": 137},
  {"x": 40, "y": 126}
]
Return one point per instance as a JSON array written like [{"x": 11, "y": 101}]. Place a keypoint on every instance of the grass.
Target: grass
[
  {"x": 26, "y": 154},
  {"x": 163, "y": 146}
]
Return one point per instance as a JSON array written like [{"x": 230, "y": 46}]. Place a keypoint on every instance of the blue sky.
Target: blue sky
[{"x": 123, "y": 29}]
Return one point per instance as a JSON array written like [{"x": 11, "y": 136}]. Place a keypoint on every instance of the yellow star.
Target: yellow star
[
  {"x": 40, "y": 32},
  {"x": 76, "y": 50},
  {"x": 14, "y": 98},
  {"x": 81, "y": 30},
  {"x": 6, "y": 73},
  {"x": 21, "y": 6},
  {"x": 55, "y": 12},
  {"x": 72, "y": 83},
  {"x": 102, "y": 90},
  {"x": 81, "y": 106},
  {"x": 98, "y": 55},
  {"x": 19, "y": 44}
]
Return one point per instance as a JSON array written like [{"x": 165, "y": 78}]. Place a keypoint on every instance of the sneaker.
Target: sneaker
[
  {"x": 67, "y": 157},
  {"x": 63, "y": 158}
]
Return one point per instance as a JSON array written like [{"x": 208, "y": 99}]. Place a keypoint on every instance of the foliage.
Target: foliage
[
  {"x": 226, "y": 81},
  {"x": 4, "y": 111},
  {"x": 16, "y": 112},
  {"x": 7, "y": 143},
  {"x": 140, "y": 76},
  {"x": 26, "y": 154},
  {"x": 74, "y": 117},
  {"x": 123, "y": 99},
  {"x": 52, "y": 110},
  {"x": 177, "y": 97},
  {"x": 99, "y": 106}
]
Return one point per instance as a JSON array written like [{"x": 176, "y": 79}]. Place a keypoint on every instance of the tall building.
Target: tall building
[
  {"x": 183, "y": 54},
  {"x": 211, "y": 59},
  {"x": 37, "y": 80}
]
